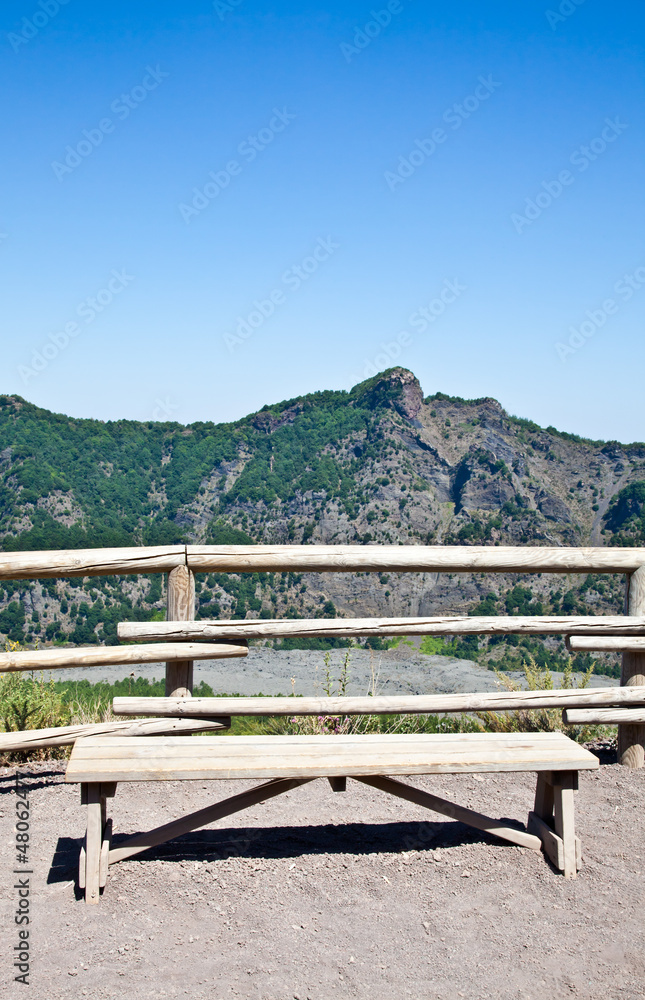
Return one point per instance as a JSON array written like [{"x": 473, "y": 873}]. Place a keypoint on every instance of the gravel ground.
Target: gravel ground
[
  {"x": 269, "y": 671},
  {"x": 319, "y": 894}
]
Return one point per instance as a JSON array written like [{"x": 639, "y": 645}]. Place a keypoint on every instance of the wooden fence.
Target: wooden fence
[{"x": 181, "y": 562}]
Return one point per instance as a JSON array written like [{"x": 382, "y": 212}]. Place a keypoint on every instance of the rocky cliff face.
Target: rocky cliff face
[{"x": 381, "y": 464}]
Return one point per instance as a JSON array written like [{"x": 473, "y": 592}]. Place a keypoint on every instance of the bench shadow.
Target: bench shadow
[
  {"x": 64, "y": 864},
  {"x": 31, "y": 780},
  {"x": 291, "y": 842}
]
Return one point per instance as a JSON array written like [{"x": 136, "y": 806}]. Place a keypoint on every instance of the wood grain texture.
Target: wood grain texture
[
  {"x": 259, "y": 628},
  {"x": 105, "y": 853},
  {"x": 99, "y": 656},
  {"x": 180, "y": 607},
  {"x": 631, "y": 736},
  {"x": 603, "y": 716},
  {"x": 117, "y": 758},
  {"x": 320, "y": 558},
  {"x": 93, "y": 843},
  {"x": 563, "y": 822},
  {"x": 411, "y": 558},
  {"x": 543, "y": 798},
  {"x": 82, "y": 867},
  {"x": 553, "y": 846},
  {"x": 61, "y": 736},
  {"x": 458, "y": 813},
  {"x": 421, "y": 704},
  {"x": 91, "y": 562},
  {"x": 605, "y": 643}
]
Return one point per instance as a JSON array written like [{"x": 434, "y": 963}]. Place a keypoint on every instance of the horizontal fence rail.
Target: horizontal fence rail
[
  {"x": 91, "y": 562},
  {"x": 319, "y": 559},
  {"x": 262, "y": 628},
  {"x": 624, "y": 634},
  {"x": 419, "y": 704},
  {"x": 61, "y": 736},
  {"x": 101, "y": 656},
  {"x": 602, "y": 716},
  {"x": 605, "y": 644},
  {"x": 410, "y": 559}
]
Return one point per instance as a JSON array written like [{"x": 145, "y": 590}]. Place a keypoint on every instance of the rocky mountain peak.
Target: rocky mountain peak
[{"x": 397, "y": 388}]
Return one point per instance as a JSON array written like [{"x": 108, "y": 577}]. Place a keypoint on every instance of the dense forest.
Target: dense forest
[{"x": 381, "y": 463}]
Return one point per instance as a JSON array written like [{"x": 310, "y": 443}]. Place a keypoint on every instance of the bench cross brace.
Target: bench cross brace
[
  {"x": 550, "y": 825},
  {"x": 96, "y": 854},
  {"x": 142, "y": 841},
  {"x": 467, "y": 816}
]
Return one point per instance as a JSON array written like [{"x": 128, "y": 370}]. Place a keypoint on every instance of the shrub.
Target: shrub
[
  {"x": 27, "y": 703},
  {"x": 537, "y": 720}
]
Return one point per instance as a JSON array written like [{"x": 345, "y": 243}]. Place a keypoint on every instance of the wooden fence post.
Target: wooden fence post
[
  {"x": 631, "y": 736},
  {"x": 180, "y": 603}
]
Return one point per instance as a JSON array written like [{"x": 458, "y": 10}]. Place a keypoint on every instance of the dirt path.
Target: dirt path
[{"x": 320, "y": 894}]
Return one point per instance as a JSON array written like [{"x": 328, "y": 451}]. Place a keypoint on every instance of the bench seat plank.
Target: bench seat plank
[{"x": 115, "y": 758}]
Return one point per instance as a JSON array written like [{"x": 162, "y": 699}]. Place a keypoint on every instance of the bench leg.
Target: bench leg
[
  {"x": 99, "y": 827},
  {"x": 564, "y": 820},
  {"x": 552, "y": 819},
  {"x": 93, "y": 842},
  {"x": 544, "y": 797},
  {"x": 338, "y": 784},
  {"x": 105, "y": 853}
]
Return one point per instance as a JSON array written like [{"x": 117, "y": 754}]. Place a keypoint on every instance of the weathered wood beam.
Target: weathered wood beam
[
  {"x": 603, "y": 716},
  {"x": 411, "y": 559},
  {"x": 61, "y": 736},
  {"x": 91, "y": 562},
  {"x": 99, "y": 656},
  {"x": 180, "y": 607},
  {"x": 413, "y": 704},
  {"x": 553, "y": 845},
  {"x": 261, "y": 628},
  {"x": 93, "y": 842},
  {"x": 320, "y": 558},
  {"x": 631, "y": 736},
  {"x": 605, "y": 643}
]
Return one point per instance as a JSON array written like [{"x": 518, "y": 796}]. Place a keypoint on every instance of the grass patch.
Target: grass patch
[
  {"x": 460, "y": 649},
  {"x": 27, "y": 702}
]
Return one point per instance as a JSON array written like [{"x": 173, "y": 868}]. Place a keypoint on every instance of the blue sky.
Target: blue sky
[{"x": 209, "y": 207}]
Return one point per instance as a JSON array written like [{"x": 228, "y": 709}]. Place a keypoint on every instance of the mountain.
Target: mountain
[{"x": 378, "y": 464}]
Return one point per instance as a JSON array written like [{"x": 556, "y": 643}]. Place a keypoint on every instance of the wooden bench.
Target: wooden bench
[{"x": 98, "y": 763}]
